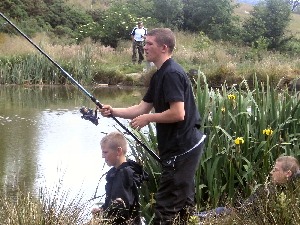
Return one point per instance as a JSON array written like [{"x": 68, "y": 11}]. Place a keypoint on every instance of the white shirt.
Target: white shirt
[{"x": 139, "y": 33}]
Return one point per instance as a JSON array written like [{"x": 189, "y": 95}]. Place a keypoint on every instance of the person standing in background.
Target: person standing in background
[{"x": 138, "y": 35}]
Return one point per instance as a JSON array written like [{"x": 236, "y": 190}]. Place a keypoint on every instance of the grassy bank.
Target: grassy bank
[{"x": 92, "y": 63}]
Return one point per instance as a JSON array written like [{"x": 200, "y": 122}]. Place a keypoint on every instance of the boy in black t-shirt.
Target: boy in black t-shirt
[{"x": 121, "y": 204}]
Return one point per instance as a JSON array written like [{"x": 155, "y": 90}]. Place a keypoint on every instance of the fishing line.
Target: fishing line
[{"x": 73, "y": 81}]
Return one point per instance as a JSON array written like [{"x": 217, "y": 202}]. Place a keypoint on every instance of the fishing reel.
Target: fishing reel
[{"x": 89, "y": 114}]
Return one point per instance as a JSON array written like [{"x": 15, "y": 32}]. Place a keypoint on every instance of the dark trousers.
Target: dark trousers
[
  {"x": 175, "y": 198},
  {"x": 138, "y": 46}
]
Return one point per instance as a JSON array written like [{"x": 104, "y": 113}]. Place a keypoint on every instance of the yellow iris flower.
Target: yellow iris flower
[
  {"x": 231, "y": 97},
  {"x": 239, "y": 141},
  {"x": 268, "y": 132}
]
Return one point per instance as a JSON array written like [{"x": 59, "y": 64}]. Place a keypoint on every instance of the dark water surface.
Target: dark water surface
[{"x": 44, "y": 142}]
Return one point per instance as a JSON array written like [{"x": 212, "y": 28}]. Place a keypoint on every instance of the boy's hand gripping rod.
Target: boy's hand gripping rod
[{"x": 68, "y": 76}]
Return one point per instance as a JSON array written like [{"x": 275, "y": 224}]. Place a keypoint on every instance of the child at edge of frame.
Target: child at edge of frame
[{"x": 121, "y": 204}]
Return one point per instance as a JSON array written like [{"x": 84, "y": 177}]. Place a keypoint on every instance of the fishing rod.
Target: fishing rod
[{"x": 68, "y": 76}]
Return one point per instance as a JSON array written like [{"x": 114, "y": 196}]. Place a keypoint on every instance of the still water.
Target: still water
[{"x": 44, "y": 142}]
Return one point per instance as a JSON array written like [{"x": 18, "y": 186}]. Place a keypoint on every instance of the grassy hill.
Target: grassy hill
[
  {"x": 294, "y": 27},
  {"x": 243, "y": 10}
]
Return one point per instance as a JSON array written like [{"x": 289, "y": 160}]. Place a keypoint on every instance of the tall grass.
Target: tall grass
[
  {"x": 46, "y": 208},
  {"x": 247, "y": 129}
]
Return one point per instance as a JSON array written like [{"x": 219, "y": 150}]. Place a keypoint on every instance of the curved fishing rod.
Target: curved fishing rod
[{"x": 68, "y": 76}]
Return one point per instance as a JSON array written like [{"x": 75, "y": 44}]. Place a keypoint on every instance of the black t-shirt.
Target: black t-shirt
[
  {"x": 123, "y": 182},
  {"x": 171, "y": 84}
]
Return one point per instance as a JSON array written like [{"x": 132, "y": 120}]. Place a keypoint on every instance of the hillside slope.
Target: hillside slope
[{"x": 244, "y": 12}]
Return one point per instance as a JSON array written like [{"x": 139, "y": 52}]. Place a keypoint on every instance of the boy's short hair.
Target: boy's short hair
[
  {"x": 114, "y": 140},
  {"x": 164, "y": 36}
]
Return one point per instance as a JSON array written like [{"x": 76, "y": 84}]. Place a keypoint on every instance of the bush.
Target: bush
[{"x": 269, "y": 20}]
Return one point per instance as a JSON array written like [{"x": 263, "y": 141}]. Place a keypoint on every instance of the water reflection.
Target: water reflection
[{"x": 43, "y": 139}]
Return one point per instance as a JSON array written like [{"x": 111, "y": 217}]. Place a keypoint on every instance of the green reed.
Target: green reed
[
  {"x": 247, "y": 129},
  {"x": 149, "y": 188},
  {"x": 27, "y": 69},
  {"x": 37, "y": 69}
]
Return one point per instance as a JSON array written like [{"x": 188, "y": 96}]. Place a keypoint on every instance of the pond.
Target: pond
[{"x": 44, "y": 142}]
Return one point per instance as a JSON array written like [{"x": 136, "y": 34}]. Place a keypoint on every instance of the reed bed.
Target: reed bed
[{"x": 247, "y": 129}]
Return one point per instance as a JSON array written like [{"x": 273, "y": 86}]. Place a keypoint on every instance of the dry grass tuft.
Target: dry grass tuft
[{"x": 14, "y": 45}]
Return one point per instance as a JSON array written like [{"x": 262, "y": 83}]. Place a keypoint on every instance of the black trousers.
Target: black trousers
[{"x": 175, "y": 198}]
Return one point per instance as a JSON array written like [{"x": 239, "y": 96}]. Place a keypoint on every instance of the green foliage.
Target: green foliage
[
  {"x": 279, "y": 206},
  {"x": 239, "y": 152},
  {"x": 141, "y": 8},
  {"x": 34, "y": 16},
  {"x": 62, "y": 15},
  {"x": 115, "y": 24},
  {"x": 27, "y": 69},
  {"x": 290, "y": 46},
  {"x": 149, "y": 188},
  {"x": 258, "y": 49},
  {"x": 13, "y": 8},
  {"x": 269, "y": 19},
  {"x": 215, "y": 17},
  {"x": 169, "y": 13}
]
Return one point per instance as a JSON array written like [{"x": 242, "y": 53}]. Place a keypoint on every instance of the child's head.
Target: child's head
[{"x": 114, "y": 148}]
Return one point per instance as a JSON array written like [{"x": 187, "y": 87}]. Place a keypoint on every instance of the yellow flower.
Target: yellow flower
[
  {"x": 268, "y": 131},
  {"x": 223, "y": 109},
  {"x": 231, "y": 97},
  {"x": 239, "y": 140}
]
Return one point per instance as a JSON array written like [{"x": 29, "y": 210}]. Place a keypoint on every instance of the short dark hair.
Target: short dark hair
[{"x": 164, "y": 36}]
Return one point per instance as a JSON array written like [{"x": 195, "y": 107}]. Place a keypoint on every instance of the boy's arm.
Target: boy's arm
[
  {"x": 175, "y": 114},
  {"x": 127, "y": 113}
]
